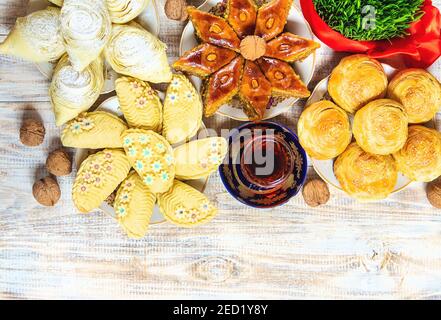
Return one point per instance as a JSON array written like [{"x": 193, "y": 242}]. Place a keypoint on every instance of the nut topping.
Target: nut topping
[
  {"x": 254, "y": 84},
  {"x": 211, "y": 57},
  {"x": 242, "y": 16},
  {"x": 215, "y": 28},
  {"x": 279, "y": 75},
  {"x": 269, "y": 23}
]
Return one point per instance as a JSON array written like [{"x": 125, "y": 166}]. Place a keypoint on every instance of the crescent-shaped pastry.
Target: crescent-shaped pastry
[
  {"x": 204, "y": 59},
  {"x": 185, "y": 206},
  {"x": 381, "y": 127},
  {"x": 419, "y": 92},
  {"x": 99, "y": 175},
  {"x": 356, "y": 81},
  {"x": 140, "y": 104},
  {"x": 134, "y": 205},
  {"x": 271, "y": 18},
  {"x": 123, "y": 11},
  {"x": 254, "y": 91},
  {"x": 86, "y": 29},
  {"x": 284, "y": 81},
  {"x": 290, "y": 47},
  {"x": 73, "y": 92},
  {"x": 135, "y": 52},
  {"x": 182, "y": 116},
  {"x": 36, "y": 37},
  {"x": 241, "y": 15},
  {"x": 199, "y": 158},
  {"x": 366, "y": 176},
  {"x": 213, "y": 29},
  {"x": 94, "y": 130},
  {"x": 222, "y": 86},
  {"x": 152, "y": 158},
  {"x": 324, "y": 130},
  {"x": 420, "y": 158}
]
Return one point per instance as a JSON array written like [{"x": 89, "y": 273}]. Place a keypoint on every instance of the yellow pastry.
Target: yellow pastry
[
  {"x": 36, "y": 37},
  {"x": 199, "y": 158},
  {"x": 135, "y": 52},
  {"x": 73, "y": 92},
  {"x": 122, "y": 11},
  {"x": 365, "y": 176},
  {"x": 152, "y": 157},
  {"x": 99, "y": 175},
  {"x": 380, "y": 127},
  {"x": 420, "y": 158},
  {"x": 185, "y": 206},
  {"x": 86, "y": 28},
  {"x": 94, "y": 130},
  {"x": 324, "y": 130},
  {"x": 182, "y": 115},
  {"x": 419, "y": 92},
  {"x": 356, "y": 81},
  {"x": 134, "y": 205},
  {"x": 140, "y": 104}
]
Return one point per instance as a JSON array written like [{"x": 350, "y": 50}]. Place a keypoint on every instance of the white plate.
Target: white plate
[
  {"x": 295, "y": 24},
  {"x": 111, "y": 105},
  {"x": 149, "y": 19},
  {"x": 325, "y": 168}
]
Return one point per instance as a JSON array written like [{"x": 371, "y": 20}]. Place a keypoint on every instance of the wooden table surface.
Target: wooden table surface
[{"x": 388, "y": 249}]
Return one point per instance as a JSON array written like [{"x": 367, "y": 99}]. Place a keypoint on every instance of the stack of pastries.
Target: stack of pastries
[
  {"x": 388, "y": 133},
  {"x": 79, "y": 37}
]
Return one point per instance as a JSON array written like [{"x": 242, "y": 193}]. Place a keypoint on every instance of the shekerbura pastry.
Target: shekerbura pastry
[
  {"x": 99, "y": 175},
  {"x": 135, "y": 52},
  {"x": 380, "y": 127},
  {"x": 199, "y": 158},
  {"x": 152, "y": 157},
  {"x": 182, "y": 114},
  {"x": 140, "y": 104},
  {"x": 185, "y": 206},
  {"x": 366, "y": 176},
  {"x": 86, "y": 28},
  {"x": 122, "y": 11},
  {"x": 134, "y": 205},
  {"x": 94, "y": 130},
  {"x": 36, "y": 37},
  {"x": 324, "y": 130},
  {"x": 356, "y": 81},
  {"x": 73, "y": 92},
  {"x": 420, "y": 158},
  {"x": 419, "y": 92}
]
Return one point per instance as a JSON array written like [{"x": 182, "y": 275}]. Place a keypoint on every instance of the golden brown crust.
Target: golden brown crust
[
  {"x": 356, "y": 81},
  {"x": 420, "y": 158},
  {"x": 290, "y": 47},
  {"x": 365, "y": 176},
  {"x": 271, "y": 18},
  {"x": 419, "y": 92},
  {"x": 241, "y": 15},
  {"x": 380, "y": 127}
]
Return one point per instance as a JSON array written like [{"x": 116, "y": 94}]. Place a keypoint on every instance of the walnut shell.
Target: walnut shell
[
  {"x": 316, "y": 193},
  {"x": 32, "y": 132},
  {"x": 46, "y": 191},
  {"x": 58, "y": 163},
  {"x": 176, "y": 10},
  {"x": 434, "y": 193}
]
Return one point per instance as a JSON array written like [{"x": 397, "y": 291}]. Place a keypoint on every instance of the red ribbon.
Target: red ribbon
[{"x": 419, "y": 50}]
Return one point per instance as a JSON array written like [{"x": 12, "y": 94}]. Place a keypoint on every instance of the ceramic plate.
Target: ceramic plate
[
  {"x": 149, "y": 19},
  {"x": 112, "y": 105},
  {"x": 325, "y": 168},
  {"x": 295, "y": 24}
]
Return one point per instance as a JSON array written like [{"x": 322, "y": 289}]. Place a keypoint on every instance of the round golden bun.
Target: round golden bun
[
  {"x": 365, "y": 176},
  {"x": 420, "y": 158},
  {"x": 324, "y": 130},
  {"x": 356, "y": 81},
  {"x": 381, "y": 127},
  {"x": 419, "y": 92}
]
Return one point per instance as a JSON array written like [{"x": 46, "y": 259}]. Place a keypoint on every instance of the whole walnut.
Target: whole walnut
[
  {"x": 434, "y": 193},
  {"x": 316, "y": 192},
  {"x": 176, "y": 10},
  {"x": 58, "y": 163},
  {"x": 46, "y": 191},
  {"x": 32, "y": 132}
]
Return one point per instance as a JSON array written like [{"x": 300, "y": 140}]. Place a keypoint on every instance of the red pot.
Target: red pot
[{"x": 420, "y": 49}]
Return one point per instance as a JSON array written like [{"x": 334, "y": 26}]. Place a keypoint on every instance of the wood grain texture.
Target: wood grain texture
[{"x": 389, "y": 249}]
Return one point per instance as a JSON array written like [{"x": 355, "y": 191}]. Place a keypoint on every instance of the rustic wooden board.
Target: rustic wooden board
[{"x": 389, "y": 249}]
